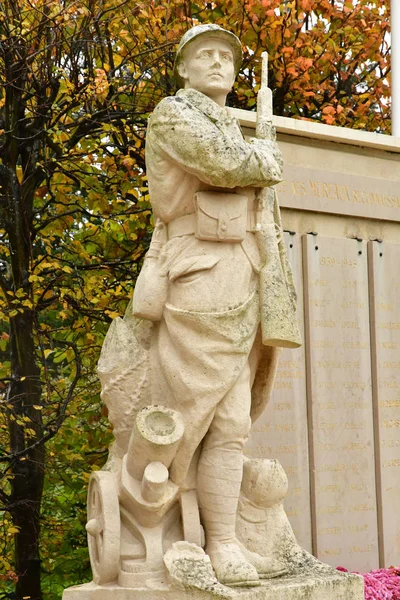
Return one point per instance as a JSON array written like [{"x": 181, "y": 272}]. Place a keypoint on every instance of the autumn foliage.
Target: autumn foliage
[
  {"x": 77, "y": 83},
  {"x": 329, "y": 60}
]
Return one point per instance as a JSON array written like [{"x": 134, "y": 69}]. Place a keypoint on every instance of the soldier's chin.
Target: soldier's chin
[{"x": 217, "y": 85}]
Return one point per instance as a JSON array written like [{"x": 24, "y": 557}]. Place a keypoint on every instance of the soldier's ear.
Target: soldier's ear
[{"x": 182, "y": 70}]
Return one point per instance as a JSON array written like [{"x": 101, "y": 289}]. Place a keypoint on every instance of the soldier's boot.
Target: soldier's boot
[
  {"x": 218, "y": 485},
  {"x": 267, "y": 567}
]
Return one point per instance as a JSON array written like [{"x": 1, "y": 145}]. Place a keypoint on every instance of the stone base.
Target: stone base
[{"x": 329, "y": 585}]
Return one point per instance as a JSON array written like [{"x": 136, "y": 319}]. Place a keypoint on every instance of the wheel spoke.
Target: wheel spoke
[
  {"x": 97, "y": 502},
  {"x": 99, "y": 544},
  {"x": 94, "y": 550},
  {"x": 92, "y": 504},
  {"x": 95, "y": 505},
  {"x": 100, "y": 522}
]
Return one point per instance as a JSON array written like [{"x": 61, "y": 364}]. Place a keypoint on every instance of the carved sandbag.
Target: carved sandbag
[{"x": 220, "y": 216}]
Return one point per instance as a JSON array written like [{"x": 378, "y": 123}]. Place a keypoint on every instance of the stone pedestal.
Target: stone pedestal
[{"x": 316, "y": 584}]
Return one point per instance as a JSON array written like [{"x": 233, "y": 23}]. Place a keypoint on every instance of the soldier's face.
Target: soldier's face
[{"x": 207, "y": 66}]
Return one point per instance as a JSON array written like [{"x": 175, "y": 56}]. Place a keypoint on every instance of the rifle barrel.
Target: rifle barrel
[{"x": 264, "y": 70}]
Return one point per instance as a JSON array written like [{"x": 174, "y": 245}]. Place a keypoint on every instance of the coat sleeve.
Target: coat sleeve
[{"x": 209, "y": 150}]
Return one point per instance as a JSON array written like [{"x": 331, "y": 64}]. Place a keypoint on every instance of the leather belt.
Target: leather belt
[{"x": 187, "y": 225}]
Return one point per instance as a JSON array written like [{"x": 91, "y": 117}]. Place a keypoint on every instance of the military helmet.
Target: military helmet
[{"x": 216, "y": 31}]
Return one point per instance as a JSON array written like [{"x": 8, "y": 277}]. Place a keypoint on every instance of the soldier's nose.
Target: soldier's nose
[{"x": 217, "y": 60}]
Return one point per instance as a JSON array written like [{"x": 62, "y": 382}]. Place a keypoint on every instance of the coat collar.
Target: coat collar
[{"x": 207, "y": 106}]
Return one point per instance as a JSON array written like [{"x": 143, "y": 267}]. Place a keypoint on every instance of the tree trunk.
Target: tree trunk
[
  {"x": 24, "y": 401},
  {"x": 27, "y": 467},
  {"x": 24, "y": 390}
]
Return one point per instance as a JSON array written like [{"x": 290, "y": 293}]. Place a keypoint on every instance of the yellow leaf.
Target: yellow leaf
[
  {"x": 112, "y": 314},
  {"x": 20, "y": 175},
  {"x": 13, "y": 530}
]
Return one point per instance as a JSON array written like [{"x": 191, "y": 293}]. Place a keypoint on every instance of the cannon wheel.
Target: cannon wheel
[{"x": 103, "y": 527}]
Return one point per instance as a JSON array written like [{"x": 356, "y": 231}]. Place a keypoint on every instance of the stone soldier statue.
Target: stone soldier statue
[
  {"x": 200, "y": 283},
  {"x": 192, "y": 364}
]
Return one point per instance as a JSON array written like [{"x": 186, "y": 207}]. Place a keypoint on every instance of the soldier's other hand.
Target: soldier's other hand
[{"x": 271, "y": 148}]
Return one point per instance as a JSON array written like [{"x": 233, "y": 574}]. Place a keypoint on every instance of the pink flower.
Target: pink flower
[{"x": 382, "y": 584}]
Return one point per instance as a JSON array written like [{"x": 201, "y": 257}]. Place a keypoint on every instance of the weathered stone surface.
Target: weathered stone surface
[
  {"x": 189, "y": 566},
  {"x": 123, "y": 370},
  {"x": 311, "y": 582}
]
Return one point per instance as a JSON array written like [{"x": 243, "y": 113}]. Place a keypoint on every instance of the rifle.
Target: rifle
[
  {"x": 264, "y": 127},
  {"x": 277, "y": 291}
]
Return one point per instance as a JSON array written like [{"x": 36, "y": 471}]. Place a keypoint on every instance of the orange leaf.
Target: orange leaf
[{"x": 328, "y": 110}]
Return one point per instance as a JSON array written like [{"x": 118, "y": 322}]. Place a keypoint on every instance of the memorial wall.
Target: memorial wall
[{"x": 334, "y": 419}]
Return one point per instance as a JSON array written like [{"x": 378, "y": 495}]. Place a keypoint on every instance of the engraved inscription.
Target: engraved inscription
[
  {"x": 386, "y": 309},
  {"x": 340, "y": 193},
  {"x": 331, "y": 552},
  {"x": 341, "y": 397}
]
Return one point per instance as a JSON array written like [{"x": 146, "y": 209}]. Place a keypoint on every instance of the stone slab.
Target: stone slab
[
  {"x": 281, "y": 431},
  {"x": 385, "y": 323},
  {"x": 329, "y": 586},
  {"x": 339, "y": 193},
  {"x": 340, "y": 402}
]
